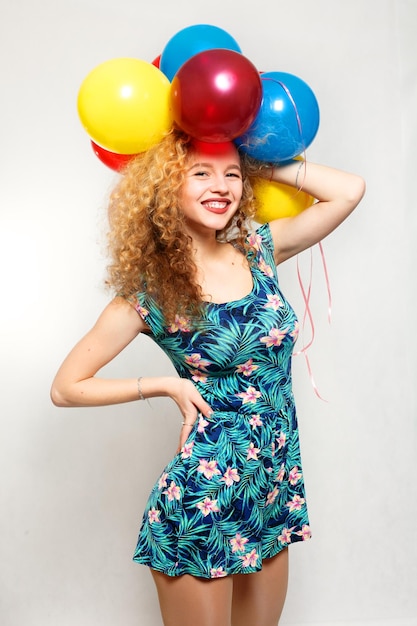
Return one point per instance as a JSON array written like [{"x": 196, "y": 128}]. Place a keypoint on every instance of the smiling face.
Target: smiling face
[{"x": 212, "y": 189}]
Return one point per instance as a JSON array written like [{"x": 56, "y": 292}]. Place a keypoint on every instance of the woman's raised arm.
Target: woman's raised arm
[{"x": 337, "y": 192}]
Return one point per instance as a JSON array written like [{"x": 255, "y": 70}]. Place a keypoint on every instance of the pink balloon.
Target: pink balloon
[{"x": 216, "y": 95}]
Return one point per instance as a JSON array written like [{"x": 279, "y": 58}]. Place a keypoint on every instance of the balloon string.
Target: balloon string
[
  {"x": 297, "y": 117},
  {"x": 306, "y": 294},
  {"x": 326, "y": 276},
  {"x": 299, "y": 126},
  {"x": 310, "y": 373}
]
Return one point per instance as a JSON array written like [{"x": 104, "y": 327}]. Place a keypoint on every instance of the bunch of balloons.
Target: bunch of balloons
[{"x": 203, "y": 83}]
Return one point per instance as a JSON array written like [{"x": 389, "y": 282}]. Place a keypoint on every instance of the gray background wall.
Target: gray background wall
[{"x": 74, "y": 482}]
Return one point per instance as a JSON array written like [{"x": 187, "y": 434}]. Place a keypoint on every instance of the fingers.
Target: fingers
[
  {"x": 192, "y": 406},
  {"x": 199, "y": 405},
  {"x": 191, "y": 402},
  {"x": 185, "y": 432},
  {"x": 189, "y": 423},
  {"x": 204, "y": 408}
]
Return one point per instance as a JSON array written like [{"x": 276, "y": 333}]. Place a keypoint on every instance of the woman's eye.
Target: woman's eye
[{"x": 205, "y": 173}]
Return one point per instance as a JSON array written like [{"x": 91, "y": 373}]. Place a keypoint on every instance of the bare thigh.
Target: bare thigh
[
  {"x": 186, "y": 600},
  {"x": 258, "y": 599}
]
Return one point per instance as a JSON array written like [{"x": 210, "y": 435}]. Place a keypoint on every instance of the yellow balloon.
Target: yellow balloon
[
  {"x": 124, "y": 105},
  {"x": 276, "y": 200}
]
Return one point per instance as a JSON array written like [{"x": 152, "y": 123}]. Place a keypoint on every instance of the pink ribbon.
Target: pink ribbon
[{"x": 306, "y": 294}]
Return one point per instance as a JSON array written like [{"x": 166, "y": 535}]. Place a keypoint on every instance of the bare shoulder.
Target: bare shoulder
[{"x": 120, "y": 313}]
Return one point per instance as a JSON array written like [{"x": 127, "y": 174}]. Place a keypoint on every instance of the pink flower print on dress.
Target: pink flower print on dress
[
  {"x": 163, "y": 481},
  {"x": 294, "y": 476},
  {"x": 255, "y": 241},
  {"x": 296, "y": 503},
  {"x": 153, "y": 515},
  {"x": 238, "y": 543},
  {"x": 250, "y": 395},
  {"x": 195, "y": 360},
  {"x": 252, "y": 452},
  {"x": 217, "y": 572},
  {"x": 202, "y": 423},
  {"x": 208, "y": 506},
  {"x": 294, "y": 334},
  {"x": 265, "y": 268},
  {"x": 231, "y": 476},
  {"x": 250, "y": 559},
  {"x": 208, "y": 468},
  {"x": 247, "y": 368},
  {"x": 199, "y": 377},
  {"x": 187, "y": 450},
  {"x": 271, "y": 497},
  {"x": 281, "y": 440},
  {"x": 181, "y": 324},
  {"x": 255, "y": 421},
  {"x": 281, "y": 474},
  {"x": 173, "y": 492},
  {"x": 274, "y": 302},
  {"x": 285, "y": 537},
  {"x": 274, "y": 338},
  {"x": 305, "y": 532},
  {"x": 142, "y": 311}
]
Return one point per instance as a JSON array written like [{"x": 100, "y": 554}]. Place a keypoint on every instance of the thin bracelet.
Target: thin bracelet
[
  {"x": 187, "y": 424},
  {"x": 302, "y": 162},
  {"x": 140, "y": 394}
]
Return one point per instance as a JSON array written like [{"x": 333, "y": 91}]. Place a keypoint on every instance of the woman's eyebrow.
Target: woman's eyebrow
[{"x": 210, "y": 165}]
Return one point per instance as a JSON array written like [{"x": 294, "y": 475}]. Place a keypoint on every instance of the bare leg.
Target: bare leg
[
  {"x": 187, "y": 600},
  {"x": 259, "y": 598}
]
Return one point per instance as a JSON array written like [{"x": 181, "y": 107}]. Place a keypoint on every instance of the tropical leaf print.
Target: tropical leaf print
[{"x": 234, "y": 495}]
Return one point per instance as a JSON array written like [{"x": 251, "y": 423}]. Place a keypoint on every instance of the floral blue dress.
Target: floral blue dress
[{"x": 234, "y": 495}]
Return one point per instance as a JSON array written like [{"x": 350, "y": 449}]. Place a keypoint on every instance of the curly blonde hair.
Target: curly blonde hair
[{"x": 148, "y": 245}]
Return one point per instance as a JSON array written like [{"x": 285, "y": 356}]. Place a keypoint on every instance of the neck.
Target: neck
[{"x": 204, "y": 242}]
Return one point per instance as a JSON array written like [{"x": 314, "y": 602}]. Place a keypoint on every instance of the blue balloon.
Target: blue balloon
[
  {"x": 287, "y": 120},
  {"x": 189, "y": 42}
]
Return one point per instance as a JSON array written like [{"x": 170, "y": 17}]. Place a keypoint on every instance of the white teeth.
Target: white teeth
[{"x": 216, "y": 205}]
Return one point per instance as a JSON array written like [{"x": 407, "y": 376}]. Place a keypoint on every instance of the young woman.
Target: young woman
[{"x": 189, "y": 271}]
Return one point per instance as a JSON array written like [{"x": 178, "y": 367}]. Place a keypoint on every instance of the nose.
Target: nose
[{"x": 219, "y": 183}]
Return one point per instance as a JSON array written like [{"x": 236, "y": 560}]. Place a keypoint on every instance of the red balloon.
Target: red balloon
[
  {"x": 157, "y": 61},
  {"x": 216, "y": 95},
  {"x": 113, "y": 160}
]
